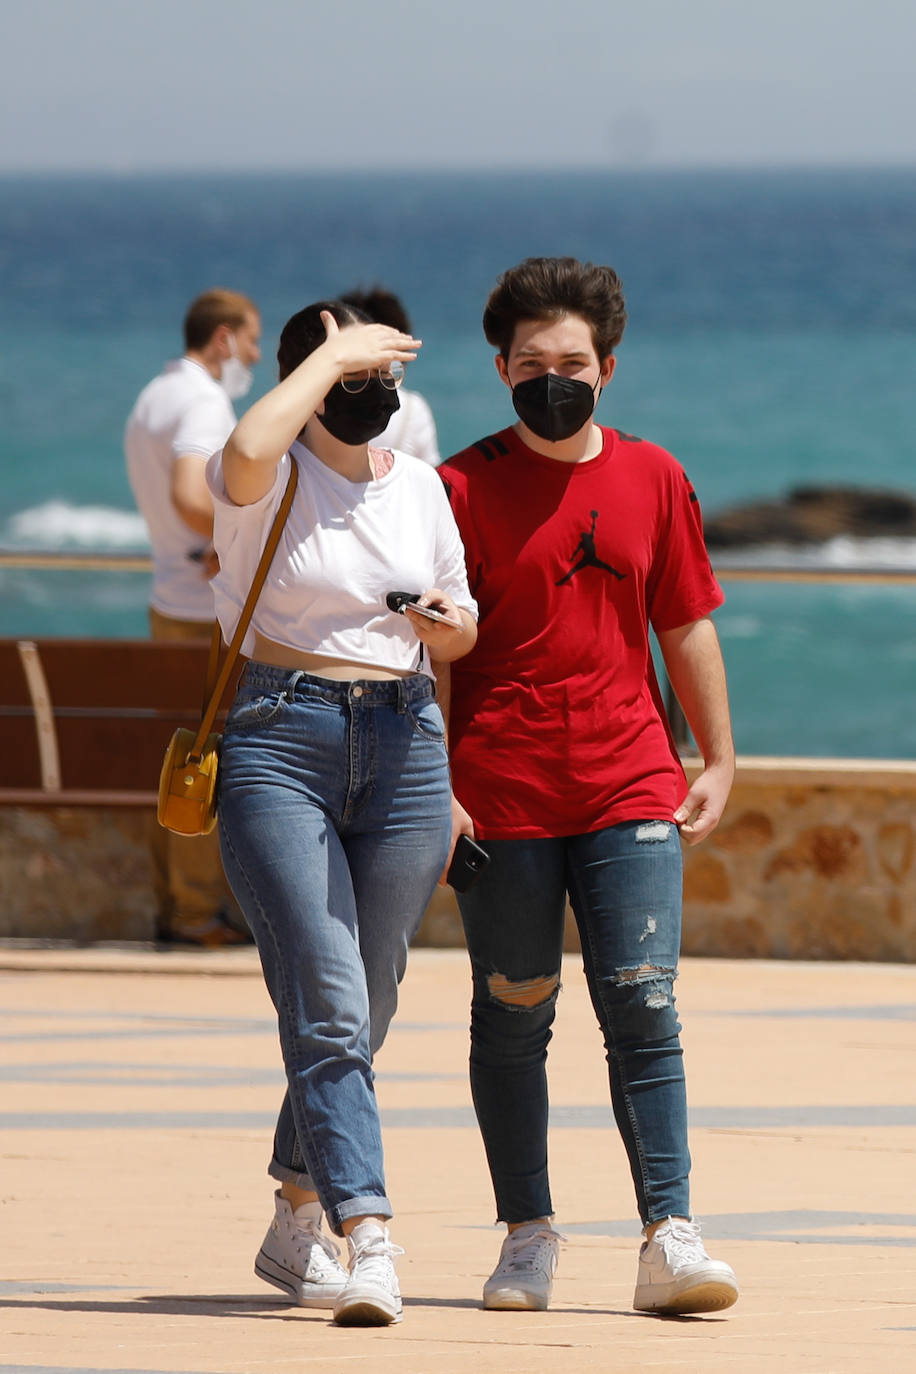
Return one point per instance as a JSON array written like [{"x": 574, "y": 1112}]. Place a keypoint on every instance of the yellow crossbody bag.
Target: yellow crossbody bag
[{"x": 188, "y": 782}]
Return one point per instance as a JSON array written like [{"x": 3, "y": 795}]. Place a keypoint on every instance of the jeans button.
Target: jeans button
[{"x": 357, "y": 691}]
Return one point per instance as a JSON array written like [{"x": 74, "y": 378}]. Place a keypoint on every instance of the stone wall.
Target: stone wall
[
  {"x": 814, "y": 859},
  {"x": 80, "y": 873}
]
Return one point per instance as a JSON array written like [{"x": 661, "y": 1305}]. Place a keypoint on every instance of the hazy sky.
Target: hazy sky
[{"x": 129, "y": 84}]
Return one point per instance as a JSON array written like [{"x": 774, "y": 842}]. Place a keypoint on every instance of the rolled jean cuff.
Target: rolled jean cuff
[
  {"x": 357, "y": 1207},
  {"x": 284, "y": 1173},
  {"x": 371, "y": 1205},
  {"x": 549, "y": 1215}
]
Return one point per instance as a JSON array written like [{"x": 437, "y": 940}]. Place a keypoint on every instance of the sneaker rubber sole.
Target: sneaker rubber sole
[
  {"x": 710, "y": 1295},
  {"x": 367, "y": 1309},
  {"x": 515, "y": 1300},
  {"x": 302, "y": 1293}
]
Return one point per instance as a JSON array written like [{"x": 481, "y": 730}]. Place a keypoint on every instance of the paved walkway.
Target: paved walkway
[{"x": 136, "y": 1120}]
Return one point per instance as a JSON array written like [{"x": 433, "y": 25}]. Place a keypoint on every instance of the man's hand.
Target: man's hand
[
  {"x": 461, "y": 825},
  {"x": 701, "y": 810},
  {"x": 209, "y": 564}
]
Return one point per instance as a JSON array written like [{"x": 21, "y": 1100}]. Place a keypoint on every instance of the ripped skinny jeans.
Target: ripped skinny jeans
[{"x": 624, "y": 885}]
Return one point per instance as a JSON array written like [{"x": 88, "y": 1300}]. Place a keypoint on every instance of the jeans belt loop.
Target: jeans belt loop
[
  {"x": 402, "y": 697},
  {"x": 289, "y": 691}
]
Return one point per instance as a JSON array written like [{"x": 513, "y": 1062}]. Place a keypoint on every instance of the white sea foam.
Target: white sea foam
[
  {"x": 843, "y": 551},
  {"x": 61, "y": 525},
  {"x": 741, "y": 626}
]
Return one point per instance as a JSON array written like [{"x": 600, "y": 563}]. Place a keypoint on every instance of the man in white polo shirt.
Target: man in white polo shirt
[{"x": 181, "y": 418}]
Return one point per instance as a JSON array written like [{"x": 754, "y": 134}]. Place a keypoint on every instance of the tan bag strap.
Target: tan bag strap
[
  {"x": 216, "y": 643},
  {"x": 214, "y": 690}
]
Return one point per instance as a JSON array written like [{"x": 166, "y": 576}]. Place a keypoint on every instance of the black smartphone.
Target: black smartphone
[
  {"x": 468, "y": 862},
  {"x": 399, "y": 601}
]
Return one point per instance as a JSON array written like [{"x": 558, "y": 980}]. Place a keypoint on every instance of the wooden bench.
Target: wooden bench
[{"x": 85, "y": 722}]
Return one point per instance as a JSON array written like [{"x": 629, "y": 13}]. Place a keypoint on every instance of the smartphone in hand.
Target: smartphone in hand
[
  {"x": 399, "y": 601},
  {"x": 468, "y": 862}
]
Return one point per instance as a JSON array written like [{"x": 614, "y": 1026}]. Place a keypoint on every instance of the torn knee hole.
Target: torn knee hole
[
  {"x": 659, "y": 980},
  {"x": 526, "y": 992},
  {"x": 639, "y": 975}
]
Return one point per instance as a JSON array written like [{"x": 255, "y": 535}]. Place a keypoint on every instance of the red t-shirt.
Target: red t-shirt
[{"x": 557, "y": 725}]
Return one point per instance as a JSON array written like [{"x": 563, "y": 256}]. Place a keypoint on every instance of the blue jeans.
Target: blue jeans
[
  {"x": 334, "y": 817},
  {"x": 624, "y": 885}
]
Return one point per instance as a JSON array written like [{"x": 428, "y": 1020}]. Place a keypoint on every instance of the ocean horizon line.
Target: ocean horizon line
[{"x": 585, "y": 170}]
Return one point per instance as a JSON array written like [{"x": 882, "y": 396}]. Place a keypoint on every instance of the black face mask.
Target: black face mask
[
  {"x": 553, "y": 407},
  {"x": 357, "y": 419}
]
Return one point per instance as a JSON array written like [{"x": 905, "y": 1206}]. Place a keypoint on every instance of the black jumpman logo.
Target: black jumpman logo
[{"x": 589, "y": 557}]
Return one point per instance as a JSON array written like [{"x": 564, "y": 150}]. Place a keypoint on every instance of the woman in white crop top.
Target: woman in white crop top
[{"x": 334, "y": 789}]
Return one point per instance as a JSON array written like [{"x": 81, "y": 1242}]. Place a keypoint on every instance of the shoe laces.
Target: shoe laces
[
  {"x": 307, "y": 1235},
  {"x": 681, "y": 1241},
  {"x": 523, "y": 1249},
  {"x": 374, "y": 1255}
]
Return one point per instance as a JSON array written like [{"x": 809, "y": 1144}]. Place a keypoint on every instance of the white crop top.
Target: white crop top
[{"x": 345, "y": 545}]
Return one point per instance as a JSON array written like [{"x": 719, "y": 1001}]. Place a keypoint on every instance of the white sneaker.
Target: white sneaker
[
  {"x": 372, "y": 1296},
  {"x": 299, "y": 1258},
  {"x": 523, "y": 1278},
  {"x": 676, "y": 1275}
]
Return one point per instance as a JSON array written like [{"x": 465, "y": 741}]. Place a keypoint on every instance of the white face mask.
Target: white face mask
[{"x": 235, "y": 378}]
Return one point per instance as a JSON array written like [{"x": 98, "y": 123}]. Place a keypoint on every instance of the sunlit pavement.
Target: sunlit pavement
[{"x": 135, "y": 1126}]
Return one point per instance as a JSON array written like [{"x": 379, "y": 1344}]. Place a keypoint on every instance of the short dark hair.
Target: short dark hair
[
  {"x": 303, "y": 333},
  {"x": 548, "y": 289},
  {"x": 210, "y": 310},
  {"x": 381, "y": 305}
]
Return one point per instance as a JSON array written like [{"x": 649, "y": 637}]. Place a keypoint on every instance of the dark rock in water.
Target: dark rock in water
[{"x": 809, "y": 515}]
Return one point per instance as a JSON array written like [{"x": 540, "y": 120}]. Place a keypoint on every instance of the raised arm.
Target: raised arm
[
  {"x": 265, "y": 432},
  {"x": 694, "y": 664}
]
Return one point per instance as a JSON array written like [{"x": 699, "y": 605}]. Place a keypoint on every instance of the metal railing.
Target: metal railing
[
  {"x": 44, "y": 560},
  {"x": 795, "y": 573},
  {"x": 76, "y": 562}
]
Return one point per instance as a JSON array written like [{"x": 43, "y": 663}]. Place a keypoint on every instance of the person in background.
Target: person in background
[
  {"x": 578, "y": 538},
  {"x": 412, "y": 428},
  {"x": 335, "y": 804},
  {"x": 180, "y": 418}
]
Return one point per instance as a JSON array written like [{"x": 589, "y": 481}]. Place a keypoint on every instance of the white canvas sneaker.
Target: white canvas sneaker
[
  {"x": 372, "y": 1296},
  {"x": 299, "y": 1258},
  {"x": 677, "y": 1276},
  {"x": 523, "y": 1279}
]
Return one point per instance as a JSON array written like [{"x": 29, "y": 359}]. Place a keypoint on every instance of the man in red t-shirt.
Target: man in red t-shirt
[{"x": 578, "y": 539}]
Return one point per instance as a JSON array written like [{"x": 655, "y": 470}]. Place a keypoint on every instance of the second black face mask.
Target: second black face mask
[
  {"x": 553, "y": 407},
  {"x": 357, "y": 419}
]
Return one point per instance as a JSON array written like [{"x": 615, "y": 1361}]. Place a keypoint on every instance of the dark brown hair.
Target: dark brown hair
[
  {"x": 209, "y": 311},
  {"x": 548, "y": 289},
  {"x": 381, "y": 305},
  {"x": 305, "y": 331}
]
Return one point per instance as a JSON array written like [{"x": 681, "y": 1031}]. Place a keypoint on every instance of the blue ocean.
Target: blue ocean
[{"x": 771, "y": 343}]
